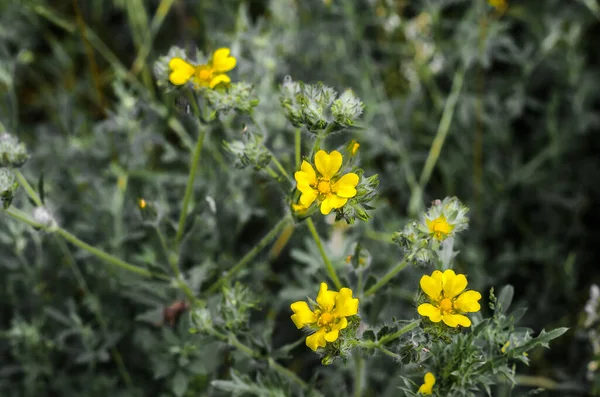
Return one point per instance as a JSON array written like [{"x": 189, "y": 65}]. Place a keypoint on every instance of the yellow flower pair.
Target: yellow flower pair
[
  {"x": 208, "y": 75},
  {"x": 329, "y": 316},
  {"x": 448, "y": 298},
  {"x": 324, "y": 185}
]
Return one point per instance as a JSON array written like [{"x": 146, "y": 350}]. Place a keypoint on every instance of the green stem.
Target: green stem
[
  {"x": 23, "y": 217},
  {"x": 376, "y": 346},
  {"x": 328, "y": 264},
  {"x": 30, "y": 192},
  {"x": 251, "y": 254},
  {"x": 438, "y": 141},
  {"x": 359, "y": 375},
  {"x": 190, "y": 185},
  {"x": 113, "y": 260},
  {"x": 385, "y": 279},
  {"x": 391, "y": 337},
  {"x": 298, "y": 147},
  {"x": 172, "y": 260},
  {"x": 280, "y": 167}
]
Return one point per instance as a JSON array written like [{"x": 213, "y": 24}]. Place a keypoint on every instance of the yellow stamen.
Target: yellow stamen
[
  {"x": 446, "y": 305},
  {"x": 324, "y": 187},
  {"x": 325, "y": 319}
]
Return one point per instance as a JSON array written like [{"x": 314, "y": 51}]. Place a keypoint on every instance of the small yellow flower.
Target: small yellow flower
[
  {"x": 354, "y": 148},
  {"x": 142, "y": 203},
  {"x": 448, "y": 301},
  {"x": 209, "y": 75},
  {"x": 328, "y": 318},
  {"x": 326, "y": 187},
  {"x": 500, "y": 5},
  {"x": 506, "y": 345},
  {"x": 428, "y": 382},
  {"x": 439, "y": 227}
]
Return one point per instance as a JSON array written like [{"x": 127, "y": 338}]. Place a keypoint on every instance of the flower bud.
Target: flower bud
[
  {"x": 238, "y": 96},
  {"x": 7, "y": 186},
  {"x": 12, "y": 152},
  {"x": 250, "y": 152},
  {"x": 346, "y": 109}
]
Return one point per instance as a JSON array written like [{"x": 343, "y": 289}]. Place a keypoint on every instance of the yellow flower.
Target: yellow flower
[
  {"x": 448, "y": 301},
  {"x": 329, "y": 190},
  {"x": 142, "y": 203},
  {"x": 428, "y": 382},
  {"x": 506, "y": 345},
  {"x": 328, "y": 318},
  {"x": 209, "y": 75},
  {"x": 499, "y": 5},
  {"x": 354, "y": 147},
  {"x": 439, "y": 227}
]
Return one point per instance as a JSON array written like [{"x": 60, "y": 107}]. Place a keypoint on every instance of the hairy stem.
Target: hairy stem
[
  {"x": 328, "y": 264},
  {"x": 385, "y": 279}
]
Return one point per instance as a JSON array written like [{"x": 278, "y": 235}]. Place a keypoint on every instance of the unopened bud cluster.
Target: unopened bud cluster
[
  {"x": 8, "y": 185},
  {"x": 13, "y": 153},
  {"x": 238, "y": 96},
  {"x": 250, "y": 152},
  {"x": 316, "y": 107}
]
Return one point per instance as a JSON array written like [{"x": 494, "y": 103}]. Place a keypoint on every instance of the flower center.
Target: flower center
[
  {"x": 324, "y": 187},
  {"x": 446, "y": 305},
  {"x": 325, "y": 319},
  {"x": 439, "y": 227},
  {"x": 204, "y": 73}
]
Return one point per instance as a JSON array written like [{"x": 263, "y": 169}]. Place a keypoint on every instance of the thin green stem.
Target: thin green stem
[
  {"x": 385, "y": 279},
  {"x": 391, "y": 337},
  {"x": 19, "y": 215},
  {"x": 30, "y": 192},
  {"x": 273, "y": 233},
  {"x": 298, "y": 147},
  {"x": 376, "y": 346},
  {"x": 438, "y": 141},
  {"x": 359, "y": 375},
  {"x": 328, "y": 264},
  {"x": 172, "y": 260},
  {"x": 113, "y": 260},
  {"x": 190, "y": 185},
  {"x": 280, "y": 167}
]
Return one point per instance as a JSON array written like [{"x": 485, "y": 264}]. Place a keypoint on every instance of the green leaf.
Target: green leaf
[
  {"x": 505, "y": 297},
  {"x": 179, "y": 384}
]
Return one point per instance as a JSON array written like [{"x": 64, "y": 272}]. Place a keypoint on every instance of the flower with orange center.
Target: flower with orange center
[
  {"x": 326, "y": 187},
  {"x": 329, "y": 316},
  {"x": 208, "y": 75},
  {"x": 448, "y": 298},
  {"x": 439, "y": 227}
]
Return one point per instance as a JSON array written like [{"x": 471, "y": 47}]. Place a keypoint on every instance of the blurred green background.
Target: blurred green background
[{"x": 521, "y": 150}]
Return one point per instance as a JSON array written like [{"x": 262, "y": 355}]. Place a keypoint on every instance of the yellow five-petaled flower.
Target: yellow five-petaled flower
[
  {"x": 328, "y": 318},
  {"x": 208, "y": 75},
  {"x": 448, "y": 301},
  {"x": 326, "y": 187},
  {"x": 427, "y": 386},
  {"x": 439, "y": 227}
]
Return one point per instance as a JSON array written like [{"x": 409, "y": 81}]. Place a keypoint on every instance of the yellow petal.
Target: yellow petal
[
  {"x": 325, "y": 298},
  {"x": 346, "y": 185},
  {"x": 432, "y": 285},
  {"x": 302, "y": 314},
  {"x": 316, "y": 340},
  {"x": 467, "y": 302},
  {"x": 453, "y": 284},
  {"x": 343, "y": 323},
  {"x": 328, "y": 164},
  {"x": 345, "y": 305},
  {"x": 428, "y": 310},
  {"x": 332, "y": 335},
  {"x": 427, "y": 386},
  {"x": 306, "y": 176},
  {"x": 308, "y": 197},
  {"x": 181, "y": 71},
  {"x": 218, "y": 79},
  {"x": 331, "y": 202},
  {"x": 454, "y": 320},
  {"x": 222, "y": 62}
]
